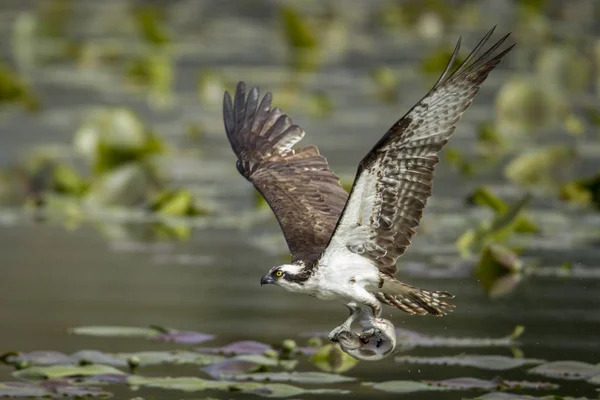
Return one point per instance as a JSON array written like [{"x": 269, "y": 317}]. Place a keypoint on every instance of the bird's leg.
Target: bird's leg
[
  {"x": 369, "y": 317},
  {"x": 355, "y": 312}
]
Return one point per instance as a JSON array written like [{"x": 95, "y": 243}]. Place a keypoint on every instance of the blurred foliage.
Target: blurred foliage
[
  {"x": 15, "y": 90},
  {"x": 524, "y": 105},
  {"x": 150, "y": 22},
  {"x": 434, "y": 64},
  {"x": 298, "y": 32},
  {"x": 331, "y": 358},
  {"x": 584, "y": 191},
  {"x": 498, "y": 270},
  {"x": 152, "y": 72},
  {"x": 499, "y": 229},
  {"x": 544, "y": 167},
  {"x": 485, "y": 197},
  {"x": 386, "y": 83},
  {"x": 110, "y": 138}
]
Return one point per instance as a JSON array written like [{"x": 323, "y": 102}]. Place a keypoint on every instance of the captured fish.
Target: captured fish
[{"x": 376, "y": 341}]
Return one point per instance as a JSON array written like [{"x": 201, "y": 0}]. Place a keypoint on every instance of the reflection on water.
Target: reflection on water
[{"x": 56, "y": 275}]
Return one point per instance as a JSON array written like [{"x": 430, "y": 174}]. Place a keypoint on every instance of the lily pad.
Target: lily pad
[
  {"x": 236, "y": 348},
  {"x": 298, "y": 377},
  {"x": 459, "y": 384},
  {"x": 513, "y": 396},
  {"x": 331, "y": 358},
  {"x": 498, "y": 270},
  {"x": 50, "y": 389},
  {"x": 485, "y": 197},
  {"x": 192, "y": 384},
  {"x": 541, "y": 167},
  {"x": 494, "y": 363},
  {"x": 64, "y": 371},
  {"x": 571, "y": 370},
  {"x": 497, "y": 230},
  {"x": 152, "y": 332},
  {"x": 408, "y": 339},
  {"x": 239, "y": 365}
]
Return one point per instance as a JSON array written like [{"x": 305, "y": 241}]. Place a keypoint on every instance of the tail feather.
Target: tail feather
[{"x": 413, "y": 300}]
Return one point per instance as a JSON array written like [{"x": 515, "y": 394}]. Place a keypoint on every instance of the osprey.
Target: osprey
[{"x": 345, "y": 247}]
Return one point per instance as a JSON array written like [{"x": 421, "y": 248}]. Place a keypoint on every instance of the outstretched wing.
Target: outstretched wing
[
  {"x": 395, "y": 179},
  {"x": 305, "y": 195}
]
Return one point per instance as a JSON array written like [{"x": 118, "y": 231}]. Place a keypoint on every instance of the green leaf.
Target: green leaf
[
  {"x": 571, "y": 370},
  {"x": 485, "y": 197},
  {"x": 296, "y": 31},
  {"x": 192, "y": 384},
  {"x": 584, "y": 191},
  {"x": 459, "y": 384},
  {"x": 65, "y": 371},
  {"x": 494, "y": 363},
  {"x": 497, "y": 230},
  {"x": 331, "y": 358},
  {"x": 498, "y": 270},
  {"x": 15, "y": 90},
  {"x": 541, "y": 167},
  {"x": 116, "y": 331},
  {"x": 404, "y": 387},
  {"x": 150, "y": 22},
  {"x": 299, "y": 377}
]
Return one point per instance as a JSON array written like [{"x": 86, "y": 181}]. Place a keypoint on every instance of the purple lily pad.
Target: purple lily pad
[
  {"x": 184, "y": 337},
  {"x": 152, "y": 332},
  {"x": 50, "y": 389},
  {"x": 237, "y": 348},
  {"x": 238, "y": 365},
  {"x": 40, "y": 357},
  {"x": 459, "y": 384}
]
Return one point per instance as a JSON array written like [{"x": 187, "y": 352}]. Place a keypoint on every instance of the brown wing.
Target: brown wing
[
  {"x": 305, "y": 195},
  {"x": 395, "y": 179}
]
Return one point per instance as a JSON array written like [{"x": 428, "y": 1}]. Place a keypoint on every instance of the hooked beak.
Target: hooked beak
[{"x": 266, "y": 279}]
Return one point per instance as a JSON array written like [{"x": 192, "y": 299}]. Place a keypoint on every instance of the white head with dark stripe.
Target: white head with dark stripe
[{"x": 289, "y": 276}]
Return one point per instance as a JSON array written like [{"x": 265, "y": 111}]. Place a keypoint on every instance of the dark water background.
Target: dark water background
[{"x": 106, "y": 273}]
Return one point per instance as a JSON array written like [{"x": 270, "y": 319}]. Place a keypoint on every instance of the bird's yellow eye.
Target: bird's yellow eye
[{"x": 279, "y": 273}]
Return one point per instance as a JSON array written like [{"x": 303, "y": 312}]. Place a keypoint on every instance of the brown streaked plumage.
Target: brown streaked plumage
[
  {"x": 373, "y": 227},
  {"x": 305, "y": 195}
]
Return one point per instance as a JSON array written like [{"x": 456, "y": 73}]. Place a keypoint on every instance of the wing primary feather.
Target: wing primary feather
[{"x": 451, "y": 62}]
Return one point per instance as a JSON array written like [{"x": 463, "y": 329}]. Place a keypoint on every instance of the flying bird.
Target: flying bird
[{"x": 345, "y": 247}]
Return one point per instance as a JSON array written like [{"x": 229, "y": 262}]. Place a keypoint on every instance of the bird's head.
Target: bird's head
[{"x": 288, "y": 276}]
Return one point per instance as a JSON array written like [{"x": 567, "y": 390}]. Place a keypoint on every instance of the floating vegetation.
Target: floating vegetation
[
  {"x": 386, "y": 84},
  {"x": 459, "y": 384},
  {"x": 51, "y": 389},
  {"x": 499, "y": 270},
  {"x": 152, "y": 72},
  {"x": 436, "y": 62},
  {"x": 570, "y": 370},
  {"x": 112, "y": 137},
  {"x": 151, "y": 25},
  {"x": 16, "y": 90},
  {"x": 583, "y": 191},
  {"x": 410, "y": 339},
  {"x": 544, "y": 167},
  {"x": 496, "y": 230},
  {"x": 177, "y": 202},
  {"x": 524, "y": 106},
  {"x": 152, "y": 332},
  {"x": 192, "y": 384},
  {"x": 483, "y": 196},
  {"x": 331, "y": 358},
  {"x": 563, "y": 68},
  {"x": 304, "y": 49},
  {"x": 493, "y": 363}
]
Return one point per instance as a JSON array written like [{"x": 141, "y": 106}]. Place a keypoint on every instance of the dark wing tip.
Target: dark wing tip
[{"x": 475, "y": 60}]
